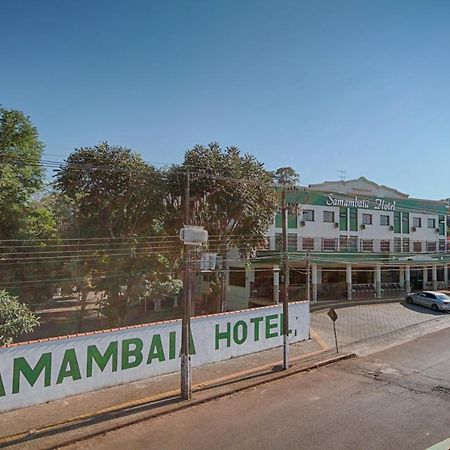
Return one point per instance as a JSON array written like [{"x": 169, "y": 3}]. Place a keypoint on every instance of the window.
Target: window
[
  {"x": 385, "y": 245},
  {"x": 308, "y": 243},
  {"x": 353, "y": 217},
  {"x": 278, "y": 242},
  {"x": 329, "y": 244},
  {"x": 343, "y": 243},
  {"x": 308, "y": 215},
  {"x": 405, "y": 223},
  {"x": 348, "y": 243},
  {"x": 406, "y": 245},
  {"x": 367, "y": 219},
  {"x": 441, "y": 245},
  {"x": 292, "y": 221},
  {"x": 263, "y": 284},
  {"x": 328, "y": 216},
  {"x": 431, "y": 246},
  {"x": 397, "y": 222},
  {"x": 442, "y": 225},
  {"x": 431, "y": 223},
  {"x": 397, "y": 245},
  {"x": 384, "y": 220},
  {"x": 237, "y": 276},
  {"x": 292, "y": 242},
  {"x": 417, "y": 246},
  {"x": 343, "y": 222},
  {"x": 417, "y": 222},
  {"x": 367, "y": 244},
  {"x": 278, "y": 221}
]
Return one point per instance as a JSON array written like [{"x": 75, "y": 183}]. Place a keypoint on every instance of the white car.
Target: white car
[{"x": 437, "y": 301}]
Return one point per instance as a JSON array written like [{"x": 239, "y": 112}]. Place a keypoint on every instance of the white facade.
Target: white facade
[
  {"x": 380, "y": 229},
  {"x": 352, "y": 240}
]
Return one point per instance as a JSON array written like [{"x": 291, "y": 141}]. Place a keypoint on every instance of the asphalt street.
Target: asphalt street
[{"x": 395, "y": 399}]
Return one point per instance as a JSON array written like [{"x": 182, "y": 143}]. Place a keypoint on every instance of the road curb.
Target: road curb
[
  {"x": 348, "y": 304},
  {"x": 50, "y": 430}
]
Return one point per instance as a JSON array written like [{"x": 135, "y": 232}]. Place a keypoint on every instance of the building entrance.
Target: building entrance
[{"x": 416, "y": 279}]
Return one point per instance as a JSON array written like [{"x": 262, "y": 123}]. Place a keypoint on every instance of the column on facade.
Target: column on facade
[
  {"x": 446, "y": 276},
  {"x": 434, "y": 277},
  {"x": 276, "y": 285},
  {"x": 407, "y": 280},
  {"x": 319, "y": 274},
  {"x": 348, "y": 279},
  {"x": 401, "y": 277},
  {"x": 378, "y": 280},
  {"x": 425, "y": 277},
  {"x": 314, "y": 282}
]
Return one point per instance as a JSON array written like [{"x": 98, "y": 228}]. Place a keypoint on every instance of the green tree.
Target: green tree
[
  {"x": 232, "y": 197},
  {"x": 15, "y": 318},
  {"x": 116, "y": 196},
  {"x": 286, "y": 176},
  {"x": 26, "y": 221},
  {"x": 115, "y": 191},
  {"x": 26, "y": 262},
  {"x": 76, "y": 265},
  {"x": 21, "y": 175}
]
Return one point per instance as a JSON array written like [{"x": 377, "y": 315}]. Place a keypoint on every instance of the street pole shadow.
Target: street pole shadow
[{"x": 100, "y": 418}]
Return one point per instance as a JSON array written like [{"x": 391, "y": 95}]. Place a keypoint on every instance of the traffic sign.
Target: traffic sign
[{"x": 332, "y": 315}]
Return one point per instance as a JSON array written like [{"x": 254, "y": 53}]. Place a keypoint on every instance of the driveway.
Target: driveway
[{"x": 368, "y": 328}]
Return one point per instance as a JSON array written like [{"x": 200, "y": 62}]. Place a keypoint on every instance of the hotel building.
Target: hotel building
[{"x": 348, "y": 240}]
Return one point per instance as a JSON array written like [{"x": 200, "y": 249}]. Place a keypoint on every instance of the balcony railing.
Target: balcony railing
[{"x": 353, "y": 244}]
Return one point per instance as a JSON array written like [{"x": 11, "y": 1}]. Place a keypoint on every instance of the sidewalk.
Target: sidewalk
[
  {"x": 60, "y": 421},
  {"x": 362, "y": 329}
]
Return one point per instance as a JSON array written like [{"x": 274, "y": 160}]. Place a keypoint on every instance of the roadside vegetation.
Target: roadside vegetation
[{"x": 92, "y": 242}]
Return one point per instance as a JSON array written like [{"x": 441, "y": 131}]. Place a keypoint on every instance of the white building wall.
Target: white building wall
[{"x": 319, "y": 229}]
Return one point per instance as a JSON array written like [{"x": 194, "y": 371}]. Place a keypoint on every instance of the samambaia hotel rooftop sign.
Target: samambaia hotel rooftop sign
[
  {"x": 363, "y": 203},
  {"x": 303, "y": 196}
]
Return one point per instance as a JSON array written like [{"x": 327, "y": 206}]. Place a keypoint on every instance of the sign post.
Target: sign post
[
  {"x": 333, "y": 316},
  {"x": 191, "y": 236}
]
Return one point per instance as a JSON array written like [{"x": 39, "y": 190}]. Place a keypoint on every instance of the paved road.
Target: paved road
[
  {"x": 369, "y": 328},
  {"x": 398, "y": 398}
]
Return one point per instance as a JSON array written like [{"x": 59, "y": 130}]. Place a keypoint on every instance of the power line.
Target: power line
[
  {"x": 128, "y": 239},
  {"x": 83, "y": 166}
]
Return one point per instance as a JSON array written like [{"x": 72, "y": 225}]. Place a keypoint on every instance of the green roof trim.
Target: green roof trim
[
  {"x": 303, "y": 196},
  {"x": 352, "y": 258}
]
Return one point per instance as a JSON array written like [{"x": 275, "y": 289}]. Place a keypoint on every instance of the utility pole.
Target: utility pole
[
  {"x": 186, "y": 377},
  {"x": 285, "y": 284},
  {"x": 308, "y": 277},
  {"x": 222, "y": 285}
]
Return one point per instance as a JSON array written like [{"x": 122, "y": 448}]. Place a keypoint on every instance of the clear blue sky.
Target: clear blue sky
[{"x": 362, "y": 86}]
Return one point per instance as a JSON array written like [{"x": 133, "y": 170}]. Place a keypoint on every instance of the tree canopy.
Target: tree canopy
[
  {"x": 114, "y": 195},
  {"x": 26, "y": 220},
  {"x": 286, "y": 176},
  {"x": 231, "y": 196},
  {"x": 21, "y": 175},
  {"x": 15, "y": 318}
]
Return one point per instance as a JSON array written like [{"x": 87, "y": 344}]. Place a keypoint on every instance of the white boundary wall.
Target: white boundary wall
[{"x": 37, "y": 372}]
